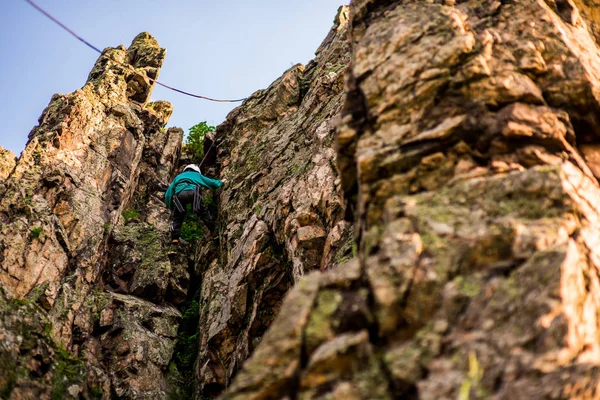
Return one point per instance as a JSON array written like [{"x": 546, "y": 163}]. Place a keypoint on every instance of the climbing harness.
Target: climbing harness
[
  {"x": 197, "y": 205},
  {"x": 41, "y": 10},
  {"x": 177, "y": 204}
]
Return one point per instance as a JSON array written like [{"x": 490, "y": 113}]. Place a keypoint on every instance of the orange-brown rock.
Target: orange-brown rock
[
  {"x": 88, "y": 292},
  {"x": 281, "y": 212},
  {"x": 460, "y": 141},
  {"x": 7, "y": 162},
  {"x": 468, "y": 151}
]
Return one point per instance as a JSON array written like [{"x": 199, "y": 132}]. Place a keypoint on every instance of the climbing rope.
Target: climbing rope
[
  {"x": 41, "y": 10},
  {"x": 206, "y": 154}
]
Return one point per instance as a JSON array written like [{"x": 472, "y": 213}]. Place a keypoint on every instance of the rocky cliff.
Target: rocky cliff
[
  {"x": 281, "y": 212},
  {"x": 7, "y": 162},
  {"x": 106, "y": 309},
  {"x": 468, "y": 146},
  {"x": 88, "y": 289},
  {"x": 410, "y": 215}
]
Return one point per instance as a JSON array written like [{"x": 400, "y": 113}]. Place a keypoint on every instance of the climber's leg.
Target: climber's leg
[
  {"x": 185, "y": 197},
  {"x": 202, "y": 211},
  {"x": 206, "y": 217},
  {"x": 176, "y": 224}
]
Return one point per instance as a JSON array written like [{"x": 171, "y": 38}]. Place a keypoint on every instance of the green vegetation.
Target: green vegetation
[
  {"x": 35, "y": 232},
  {"x": 347, "y": 251},
  {"x": 208, "y": 199},
  {"x": 130, "y": 214},
  {"x": 9, "y": 384},
  {"x": 191, "y": 230},
  {"x": 96, "y": 392},
  {"x": 147, "y": 239},
  {"x": 186, "y": 348},
  {"x": 20, "y": 302},
  {"x": 37, "y": 292},
  {"x": 67, "y": 371},
  {"x": 468, "y": 286},
  {"x": 194, "y": 142},
  {"x": 35, "y": 330}
]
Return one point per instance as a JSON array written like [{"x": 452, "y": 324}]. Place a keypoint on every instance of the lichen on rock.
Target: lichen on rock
[
  {"x": 281, "y": 212},
  {"x": 467, "y": 154},
  {"x": 96, "y": 154},
  {"x": 413, "y": 214}
]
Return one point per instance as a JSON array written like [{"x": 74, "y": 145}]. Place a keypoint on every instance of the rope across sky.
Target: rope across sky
[{"x": 99, "y": 51}]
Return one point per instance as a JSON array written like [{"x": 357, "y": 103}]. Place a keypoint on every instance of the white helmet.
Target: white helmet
[{"x": 193, "y": 167}]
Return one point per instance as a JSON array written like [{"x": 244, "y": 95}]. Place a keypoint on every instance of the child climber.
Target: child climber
[{"x": 184, "y": 190}]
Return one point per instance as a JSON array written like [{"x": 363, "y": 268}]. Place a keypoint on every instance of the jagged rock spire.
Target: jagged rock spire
[
  {"x": 64, "y": 250},
  {"x": 8, "y": 160}
]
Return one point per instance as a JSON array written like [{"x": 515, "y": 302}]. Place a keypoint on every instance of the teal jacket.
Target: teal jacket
[{"x": 188, "y": 180}]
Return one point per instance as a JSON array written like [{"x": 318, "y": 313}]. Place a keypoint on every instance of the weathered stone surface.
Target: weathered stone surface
[
  {"x": 33, "y": 365},
  {"x": 348, "y": 354},
  {"x": 468, "y": 153},
  {"x": 140, "y": 265},
  {"x": 570, "y": 12},
  {"x": 138, "y": 342},
  {"x": 68, "y": 245},
  {"x": 73, "y": 179},
  {"x": 281, "y": 211},
  {"x": 8, "y": 161},
  {"x": 268, "y": 375}
]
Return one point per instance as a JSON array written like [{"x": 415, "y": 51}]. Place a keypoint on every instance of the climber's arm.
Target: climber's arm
[
  {"x": 208, "y": 182},
  {"x": 169, "y": 195}
]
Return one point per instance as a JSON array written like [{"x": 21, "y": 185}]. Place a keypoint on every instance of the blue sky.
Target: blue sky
[{"x": 223, "y": 49}]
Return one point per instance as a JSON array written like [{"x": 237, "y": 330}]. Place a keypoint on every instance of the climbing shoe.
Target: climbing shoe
[{"x": 179, "y": 242}]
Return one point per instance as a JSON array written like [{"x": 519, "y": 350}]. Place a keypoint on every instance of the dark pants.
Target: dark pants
[{"x": 187, "y": 197}]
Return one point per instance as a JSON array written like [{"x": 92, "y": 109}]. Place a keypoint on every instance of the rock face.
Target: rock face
[
  {"x": 434, "y": 173},
  {"x": 281, "y": 212},
  {"x": 7, "y": 162},
  {"x": 83, "y": 241},
  {"x": 468, "y": 150}
]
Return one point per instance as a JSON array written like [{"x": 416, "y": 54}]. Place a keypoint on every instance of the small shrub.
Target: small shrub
[
  {"x": 187, "y": 343},
  {"x": 96, "y": 393},
  {"x": 194, "y": 142},
  {"x": 35, "y": 232},
  {"x": 131, "y": 214},
  {"x": 208, "y": 199},
  {"x": 191, "y": 230}
]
